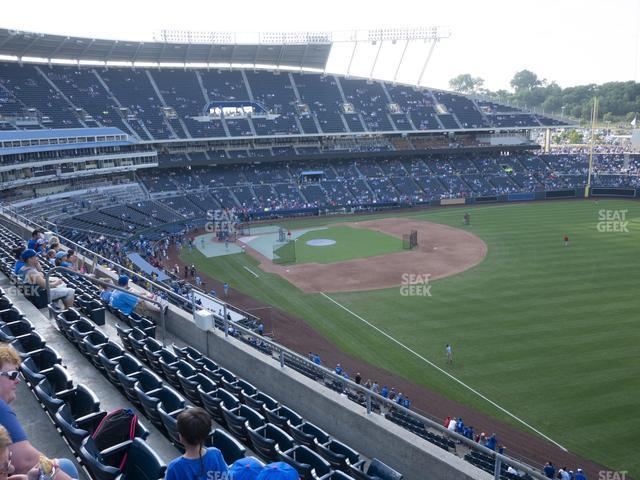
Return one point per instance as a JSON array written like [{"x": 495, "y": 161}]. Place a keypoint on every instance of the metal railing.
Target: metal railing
[
  {"x": 102, "y": 283},
  {"x": 283, "y": 354}
]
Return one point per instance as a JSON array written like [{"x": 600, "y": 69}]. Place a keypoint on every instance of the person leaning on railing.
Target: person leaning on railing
[{"x": 127, "y": 303}]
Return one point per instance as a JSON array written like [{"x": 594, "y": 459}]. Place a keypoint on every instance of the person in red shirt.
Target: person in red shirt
[{"x": 566, "y": 240}]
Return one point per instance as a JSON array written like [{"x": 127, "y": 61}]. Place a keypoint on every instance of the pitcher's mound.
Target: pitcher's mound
[{"x": 320, "y": 242}]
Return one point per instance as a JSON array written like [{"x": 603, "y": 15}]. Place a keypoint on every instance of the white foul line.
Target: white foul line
[
  {"x": 443, "y": 371},
  {"x": 250, "y": 271}
]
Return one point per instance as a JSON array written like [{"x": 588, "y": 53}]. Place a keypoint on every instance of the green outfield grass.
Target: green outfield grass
[
  {"x": 551, "y": 333},
  {"x": 350, "y": 243}
]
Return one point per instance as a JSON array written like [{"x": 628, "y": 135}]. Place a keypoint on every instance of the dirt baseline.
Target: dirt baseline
[{"x": 441, "y": 251}]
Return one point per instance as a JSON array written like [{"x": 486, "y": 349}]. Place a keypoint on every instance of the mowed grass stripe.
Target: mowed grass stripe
[{"x": 548, "y": 332}]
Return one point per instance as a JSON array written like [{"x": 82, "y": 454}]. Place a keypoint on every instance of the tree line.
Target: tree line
[{"x": 618, "y": 101}]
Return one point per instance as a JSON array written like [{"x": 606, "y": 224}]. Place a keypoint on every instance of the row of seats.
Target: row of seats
[
  {"x": 74, "y": 409},
  {"x": 97, "y": 95}
]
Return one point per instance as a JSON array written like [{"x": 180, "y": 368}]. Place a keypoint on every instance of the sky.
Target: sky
[{"x": 571, "y": 42}]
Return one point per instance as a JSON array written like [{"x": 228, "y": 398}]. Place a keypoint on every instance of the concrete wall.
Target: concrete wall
[{"x": 371, "y": 435}]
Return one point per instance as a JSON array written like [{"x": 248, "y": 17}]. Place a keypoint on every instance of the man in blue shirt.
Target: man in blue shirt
[
  {"x": 491, "y": 442},
  {"x": 123, "y": 301},
  {"x": 549, "y": 470},
  {"x": 36, "y": 241}
]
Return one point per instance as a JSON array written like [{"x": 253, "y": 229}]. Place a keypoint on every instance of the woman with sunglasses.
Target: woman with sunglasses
[{"x": 25, "y": 458}]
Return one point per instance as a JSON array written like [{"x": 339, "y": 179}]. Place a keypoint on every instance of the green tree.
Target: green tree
[
  {"x": 465, "y": 83},
  {"x": 574, "y": 136},
  {"x": 525, "y": 80}
]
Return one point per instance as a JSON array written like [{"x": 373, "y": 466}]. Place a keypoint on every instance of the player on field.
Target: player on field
[{"x": 449, "y": 352}]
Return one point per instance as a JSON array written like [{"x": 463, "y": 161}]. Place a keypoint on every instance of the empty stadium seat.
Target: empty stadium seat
[
  {"x": 231, "y": 449},
  {"x": 267, "y": 439},
  {"x": 307, "y": 463},
  {"x": 376, "y": 470}
]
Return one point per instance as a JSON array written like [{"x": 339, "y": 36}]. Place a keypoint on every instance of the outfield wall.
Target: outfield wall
[{"x": 371, "y": 435}]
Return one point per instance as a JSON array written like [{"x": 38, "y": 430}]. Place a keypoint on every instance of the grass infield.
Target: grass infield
[
  {"x": 350, "y": 243},
  {"x": 551, "y": 333}
]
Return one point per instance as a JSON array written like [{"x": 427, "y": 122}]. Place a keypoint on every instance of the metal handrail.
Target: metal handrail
[
  {"x": 102, "y": 283},
  {"x": 368, "y": 394}
]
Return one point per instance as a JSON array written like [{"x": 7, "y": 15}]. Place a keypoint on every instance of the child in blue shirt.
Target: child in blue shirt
[{"x": 198, "y": 462}]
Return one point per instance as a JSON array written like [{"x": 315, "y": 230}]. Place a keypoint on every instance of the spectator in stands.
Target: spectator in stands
[
  {"x": 563, "y": 474},
  {"x": 106, "y": 293},
  {"x": 491, "y": 442},
  {"x": 53, "y": 244},
  {"x": 32, "y": 275},
  {"x": 247, "y": 468},
  {"x": 580, "y": 475},
  {"x": 452, "y": 425},
  {"x": 23, "y": 455},
  {"x": 339, "y": 369},
  {"x": 37, "y": 241},
  {"x": 385, "y": 391},
  {"x": 62, "y": 260},
  {"x": 460, "y": 425},
  {"x": 198, "y": 462},
  {"x": 549, "y": 470},
  {"x": 358, "y": 378},
  {"x": 127, "y": 303},
  {"x": 393, "y": 394},
  {"x": 512, "y": 471},
  {"x": 17, "y": 254},
  {"x": 406, "y": 403},
  {"x": 51, "y": 257}
]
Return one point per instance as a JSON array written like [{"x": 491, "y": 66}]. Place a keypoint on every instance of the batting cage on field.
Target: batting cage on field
[
  {"x": 410, "y": 240},
  {"x": 284, "y": 253}
]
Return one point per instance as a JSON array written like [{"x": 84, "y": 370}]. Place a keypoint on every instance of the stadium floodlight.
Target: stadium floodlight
[
  {"x": 230, "y": 38},
  {"x": 378, "y": 36},
  {"x": 187, "y": 36},
  {"x": 407, "y": 33}
]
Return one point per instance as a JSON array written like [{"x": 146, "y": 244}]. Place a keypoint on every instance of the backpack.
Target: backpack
[{"x": 116, "y": 427}]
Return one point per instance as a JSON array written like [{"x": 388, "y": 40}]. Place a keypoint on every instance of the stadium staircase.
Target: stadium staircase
[
  {"x": 121, "y": 110},
  {"x": 164, "y": 104},
  {"x": 66, "y": 99}
]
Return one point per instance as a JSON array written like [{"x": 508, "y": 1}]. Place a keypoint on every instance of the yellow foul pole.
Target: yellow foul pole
[{"x": 594, "y": 117}]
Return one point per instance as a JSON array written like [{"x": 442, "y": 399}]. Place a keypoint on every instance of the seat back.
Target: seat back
[
  {"x": 231, "y": 449},
  {"x": 143, "y": 463},
  {"x": 385, "y": 472}
]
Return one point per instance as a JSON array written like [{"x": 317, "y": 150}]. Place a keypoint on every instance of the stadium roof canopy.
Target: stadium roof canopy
[{"x": 297, "y": 50}]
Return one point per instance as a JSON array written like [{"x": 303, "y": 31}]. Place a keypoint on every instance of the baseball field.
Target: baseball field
[{"x": 546, "y": 337}]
